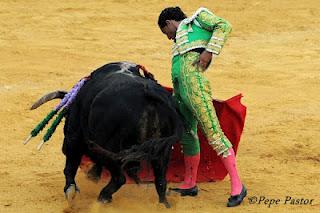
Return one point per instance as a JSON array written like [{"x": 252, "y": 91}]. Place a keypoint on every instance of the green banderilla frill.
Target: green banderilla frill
[
  {"x": 54, "y": 125},
  {"x": 43, "y": 123},
  {"x": 52, "y": 128},
  {"x": 64, "y": 104},
  {"x": 40, "y": 126}
]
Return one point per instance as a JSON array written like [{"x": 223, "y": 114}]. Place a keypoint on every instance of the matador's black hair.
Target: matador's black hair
[{"x": 170, "y": 13}]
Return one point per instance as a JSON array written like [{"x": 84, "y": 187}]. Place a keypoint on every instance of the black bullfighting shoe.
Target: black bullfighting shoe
[
  {"x": 235, "y": 200},
  {"x": 186, "y": 192}
]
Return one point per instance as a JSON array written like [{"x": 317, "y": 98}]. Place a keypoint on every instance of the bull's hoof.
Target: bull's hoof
[
  {"x": 166, "y": 204},
  {"x": 71, "y": 192},
  {"x": 104, "y": 200}
]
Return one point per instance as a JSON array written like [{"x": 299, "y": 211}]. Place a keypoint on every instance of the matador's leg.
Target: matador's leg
[{"x": 196, "y": 93}]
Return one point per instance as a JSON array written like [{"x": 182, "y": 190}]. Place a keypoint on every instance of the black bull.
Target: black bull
[{"x": 118, "y": 119}]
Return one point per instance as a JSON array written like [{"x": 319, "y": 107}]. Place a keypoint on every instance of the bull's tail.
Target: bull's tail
[
  {"x": 150, "y": 150},
  {"x": 101, "y": 153},
  {"x": 48, "y": 97}
]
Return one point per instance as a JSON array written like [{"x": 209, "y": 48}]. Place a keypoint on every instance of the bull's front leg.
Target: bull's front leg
[
  {"x": 73, "y": 160},
  {"x": 160, "y": 170}
]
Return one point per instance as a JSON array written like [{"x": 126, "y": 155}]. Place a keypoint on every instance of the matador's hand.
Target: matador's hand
[{"x": 204, "y": 60}]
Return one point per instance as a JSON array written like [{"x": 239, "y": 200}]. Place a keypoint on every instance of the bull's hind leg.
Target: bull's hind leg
[
  {"x": 160, "y": 170},
  {"x": 94, "y": 173},
  {"x": 132, "y": 169},
  {"x": 117, "y": 180}
]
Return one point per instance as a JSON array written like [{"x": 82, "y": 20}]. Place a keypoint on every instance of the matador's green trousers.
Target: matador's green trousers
[{"x": 193, "y": 95}]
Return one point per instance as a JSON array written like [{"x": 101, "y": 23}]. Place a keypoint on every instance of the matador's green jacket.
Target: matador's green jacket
[{"x": 202, "y": 31}]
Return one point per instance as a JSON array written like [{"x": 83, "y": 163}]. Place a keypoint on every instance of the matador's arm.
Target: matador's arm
[{"x": 219, "y": 26}]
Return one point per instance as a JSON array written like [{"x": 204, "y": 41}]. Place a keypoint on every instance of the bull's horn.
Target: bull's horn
[
  {"x": 27, "y": 140},
  {"x": 48, "y": 97},
  {"x": 40, "y": 145}
]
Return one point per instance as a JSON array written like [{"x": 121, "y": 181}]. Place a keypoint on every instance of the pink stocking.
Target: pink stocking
[
  {"x": 191, "y": 164},
  {"x": 230, "y": 164}
]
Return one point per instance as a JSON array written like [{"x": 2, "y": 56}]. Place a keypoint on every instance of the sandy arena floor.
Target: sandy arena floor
[{"x": 272, "y": 57}]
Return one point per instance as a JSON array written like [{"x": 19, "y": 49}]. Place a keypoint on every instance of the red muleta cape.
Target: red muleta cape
[{"x": 231, "y": 114}]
